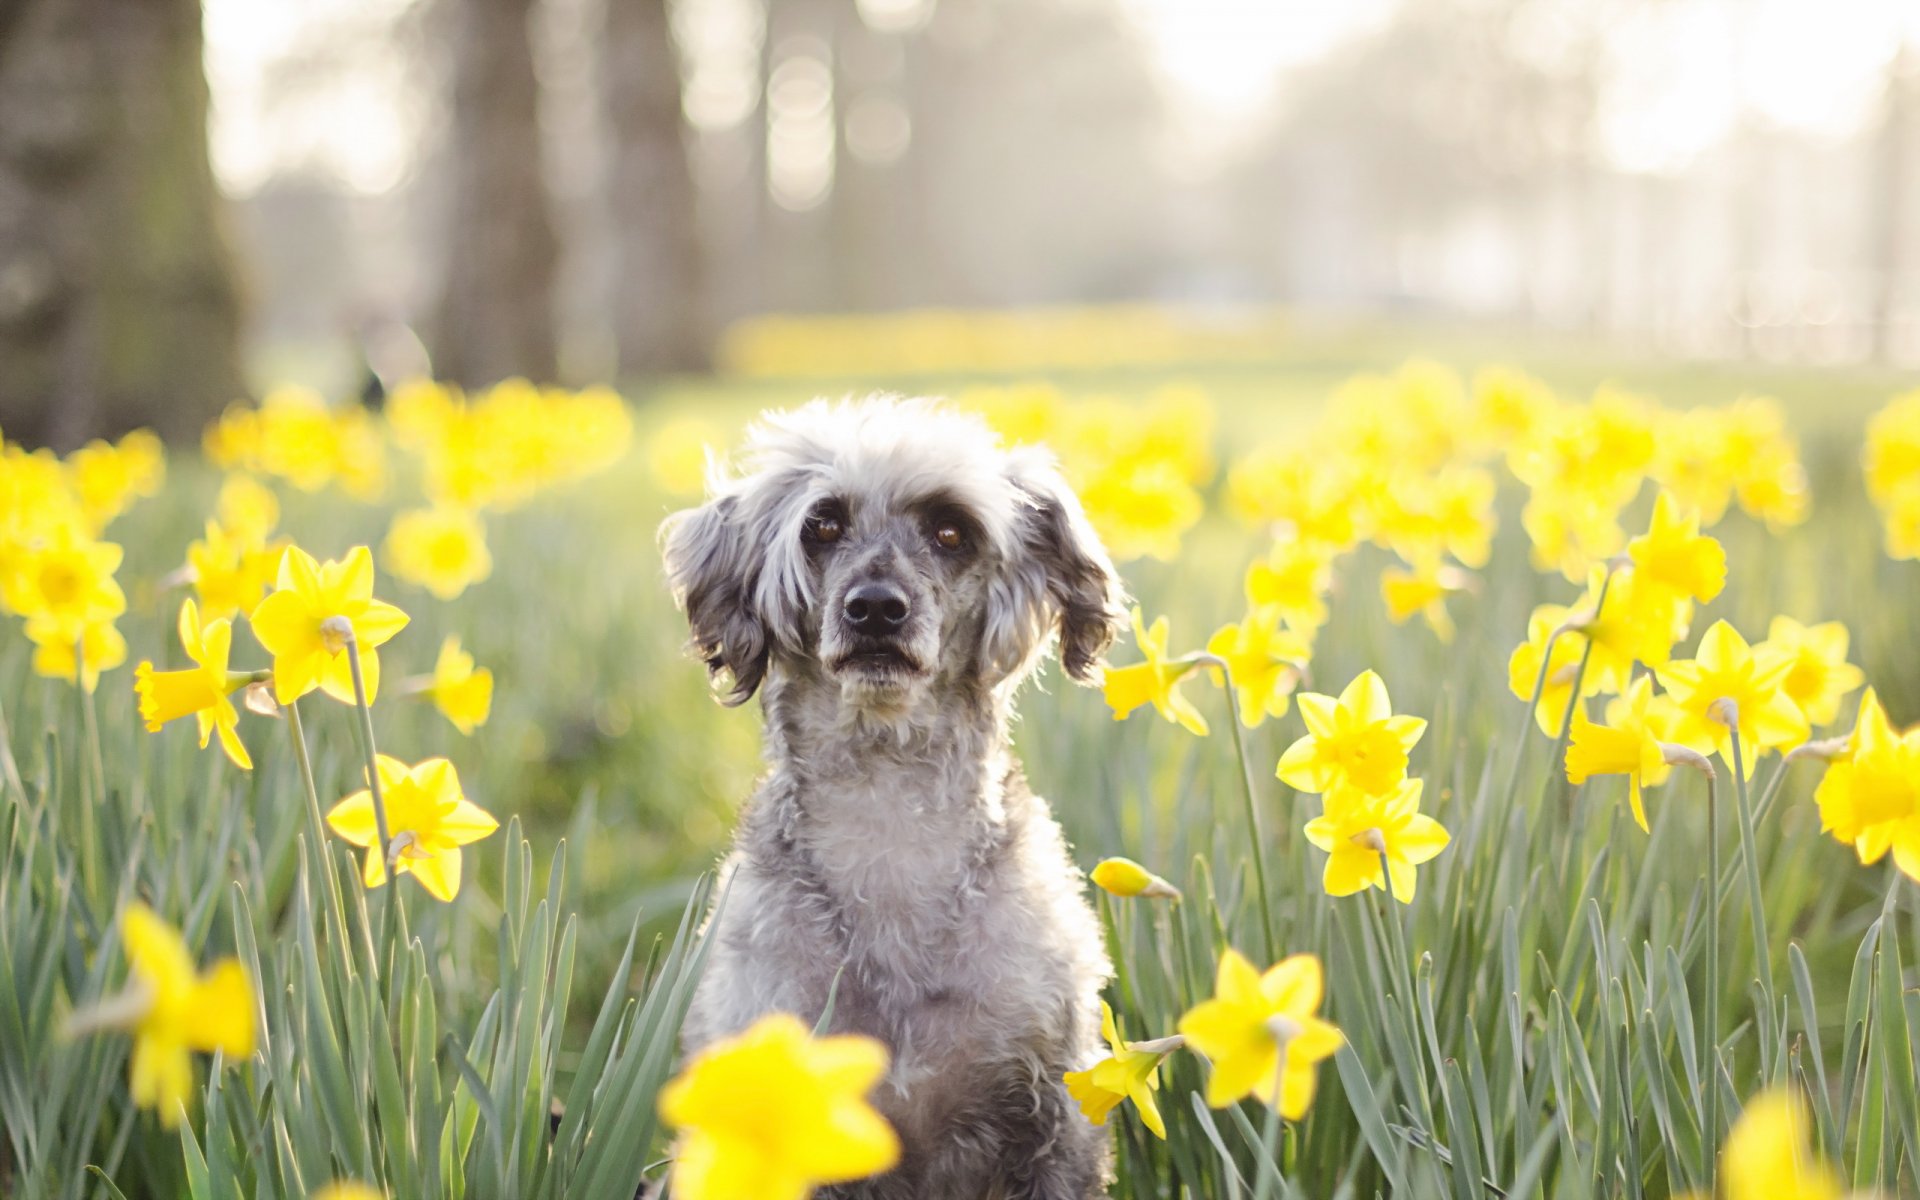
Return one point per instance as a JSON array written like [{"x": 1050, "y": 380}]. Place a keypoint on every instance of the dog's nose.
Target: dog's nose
[{"x": 876, "y": 609}]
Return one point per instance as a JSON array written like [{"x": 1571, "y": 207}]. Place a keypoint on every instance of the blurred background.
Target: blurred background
[{"x": 198, "y": 200}]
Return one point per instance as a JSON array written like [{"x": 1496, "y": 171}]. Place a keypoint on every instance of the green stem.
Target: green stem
[
  {"x": 317, "y": 829},
  {"x": 1253, "y": 820},
  {"x": 1772, "y": 790},
  {"x": 1400, "y": 970},
  {"x": 1267, "y": 1175},
  {"x": 379, "y": 800},
  {"x": 8, "y": 767},
  {"x": 90, "y": 720},
  {"x": 1710, "y": 1020},
  {"x": 1763, "y": 955}
]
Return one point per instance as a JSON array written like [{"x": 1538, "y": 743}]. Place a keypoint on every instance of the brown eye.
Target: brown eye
[
  {"x": 948, "y": 535},
  {"x": 825, "y": 527}
]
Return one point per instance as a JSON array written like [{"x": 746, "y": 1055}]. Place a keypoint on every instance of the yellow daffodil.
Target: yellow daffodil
[
  {"x": 774, "y": 1113},
  {"x": 202, "y": 690},
  {"x": 442, "y": 549},
  {"x": 1292, "y": 581},
  {"x": 1423, "y": 590},
  {"x": 1355, "y": 740},
  {"x": 106, "y": 478},
  {"x": 428, "y": 820},
  {"x": 1820, "y": 676},
  {"x": 1869, "y": 797},
  {"x": 77, "y": 654},
  {"x": 172, "y": 1010},
  {"x": 1523, "y": 667},
  {"x": 1264, "y": 661},
  {"x": 1141, "y": 508},
  {"x": 1131, "y": 1072},
  {"x": 1627, "y": 744},
  {"x": 1509, "y": 407},
  {"x": 1674, "y": 554},
  {"x": 1769, "y": 1155},
  {"x": 1627, "y": 620},
  {"x": 1126, "y": 878},
  {"x": 247, "y": 509},
  {"x": 68, "y": 579},
  {"x": 1155, "y": 681},
  {"x": 1263, "y": 1033},
  {"x": 1570, "y": 531},
  {"x": 1357, "y": 829},
  {"x": 230, "y": 575},
  {"x": 297, "y": 625},
  {"x": 462, "y": 694},
  {"x": 1729, "y": 686},
  {"x": 348, "y": 1190}
]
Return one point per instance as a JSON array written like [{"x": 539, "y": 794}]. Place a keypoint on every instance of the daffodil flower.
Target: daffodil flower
[
  {"x": 1263, "y": 660},
  {"x": 66, "y": 580},
  {"x": 1769, "y": 1154},
  {"x": 1125, "y": 878},
  {"x": 1155, "y": 681},
  {"x": 442, "y": 549},
  {"x": 428, "y": 820},
  {"x": 1674, "y": 554},
  {"x": 1424, "y": 591},
  {"x": 1556, "y": 687},
  {"x": 1263, "y": 1033},
  {"x": 1820, "y": 676},
  {"x": 1626, "y": 745},
  {"x": 75, "y": 653},
  {"x": 1355, "y": 740},
  {"x": 462, "y": 694},
  {"x": 1869, "y": 797},
  {"x": 1131, "y": 1072},
  {"x": 293, "y": 625},
  {"x": 774, "y": 1113},
  {"x": 1375, "y": 841},
  {"x": 1293, "y": 581},
  {"x": 1730, "y": 686},
  {"x": 172, "y": 1011},
  {"x": 202, "y": 690},
  {"x": 229, "y": 573}
]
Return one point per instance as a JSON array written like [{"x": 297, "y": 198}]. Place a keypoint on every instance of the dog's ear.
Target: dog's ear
[
  {"x": 713, "y": 579},
  {"x": 1058, "y": 577}
]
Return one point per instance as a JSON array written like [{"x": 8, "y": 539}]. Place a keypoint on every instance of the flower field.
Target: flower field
[{"x": 1503, "y": 793}]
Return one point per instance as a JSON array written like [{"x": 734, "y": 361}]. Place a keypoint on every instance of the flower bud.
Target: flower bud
[{"x": 1124, "y": 877}]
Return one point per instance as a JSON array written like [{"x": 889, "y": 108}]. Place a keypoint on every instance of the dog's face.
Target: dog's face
[{"x": 889, "y": 547}]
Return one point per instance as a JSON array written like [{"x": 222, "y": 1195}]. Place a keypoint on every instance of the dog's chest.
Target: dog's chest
[{"x": 905, "y": 869}]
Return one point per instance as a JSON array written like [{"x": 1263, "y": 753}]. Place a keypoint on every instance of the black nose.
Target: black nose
[{"x": 876, "y": 609}]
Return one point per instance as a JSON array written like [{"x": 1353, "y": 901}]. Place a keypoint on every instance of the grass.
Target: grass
[{"x": 1534, "y": 1024}]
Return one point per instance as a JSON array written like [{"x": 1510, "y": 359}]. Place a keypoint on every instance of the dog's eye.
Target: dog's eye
[
  {"x": 825, "y": 527},
  {"x": 949, "y": 536}
]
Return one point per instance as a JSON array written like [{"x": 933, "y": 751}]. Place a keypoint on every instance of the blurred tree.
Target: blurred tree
[
  {"x": 495, "y": 317},
  {"x": 659, "y": 306},
  {"x": 118, "y": 305},
  {"x": 1893, "y": 153}
]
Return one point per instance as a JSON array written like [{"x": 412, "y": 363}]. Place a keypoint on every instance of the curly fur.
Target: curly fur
[{"x": 894, "y": 844}]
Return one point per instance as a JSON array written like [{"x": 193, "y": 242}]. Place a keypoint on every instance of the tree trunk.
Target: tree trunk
[
  {"x": 496, "y": 312},
  {"x": 118, "y": 306},
  {"x": 658, "y": 306}
]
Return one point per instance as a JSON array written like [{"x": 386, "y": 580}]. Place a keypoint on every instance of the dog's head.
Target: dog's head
[{"x": 890, "y": 545}]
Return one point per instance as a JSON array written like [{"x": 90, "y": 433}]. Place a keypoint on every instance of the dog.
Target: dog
[{"x": 886, "y": 575}]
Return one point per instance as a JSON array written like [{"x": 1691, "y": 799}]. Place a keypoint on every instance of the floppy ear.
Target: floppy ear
[
  {"x": 713, "y": 579},
  {"x": 1058, "y": 577}
]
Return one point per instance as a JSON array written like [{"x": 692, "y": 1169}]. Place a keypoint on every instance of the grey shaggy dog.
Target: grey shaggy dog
[{"x": 886, "y": 576}]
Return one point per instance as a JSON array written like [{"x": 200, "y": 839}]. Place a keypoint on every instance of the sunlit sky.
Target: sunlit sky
[{"x": 1684, "y": 73}]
